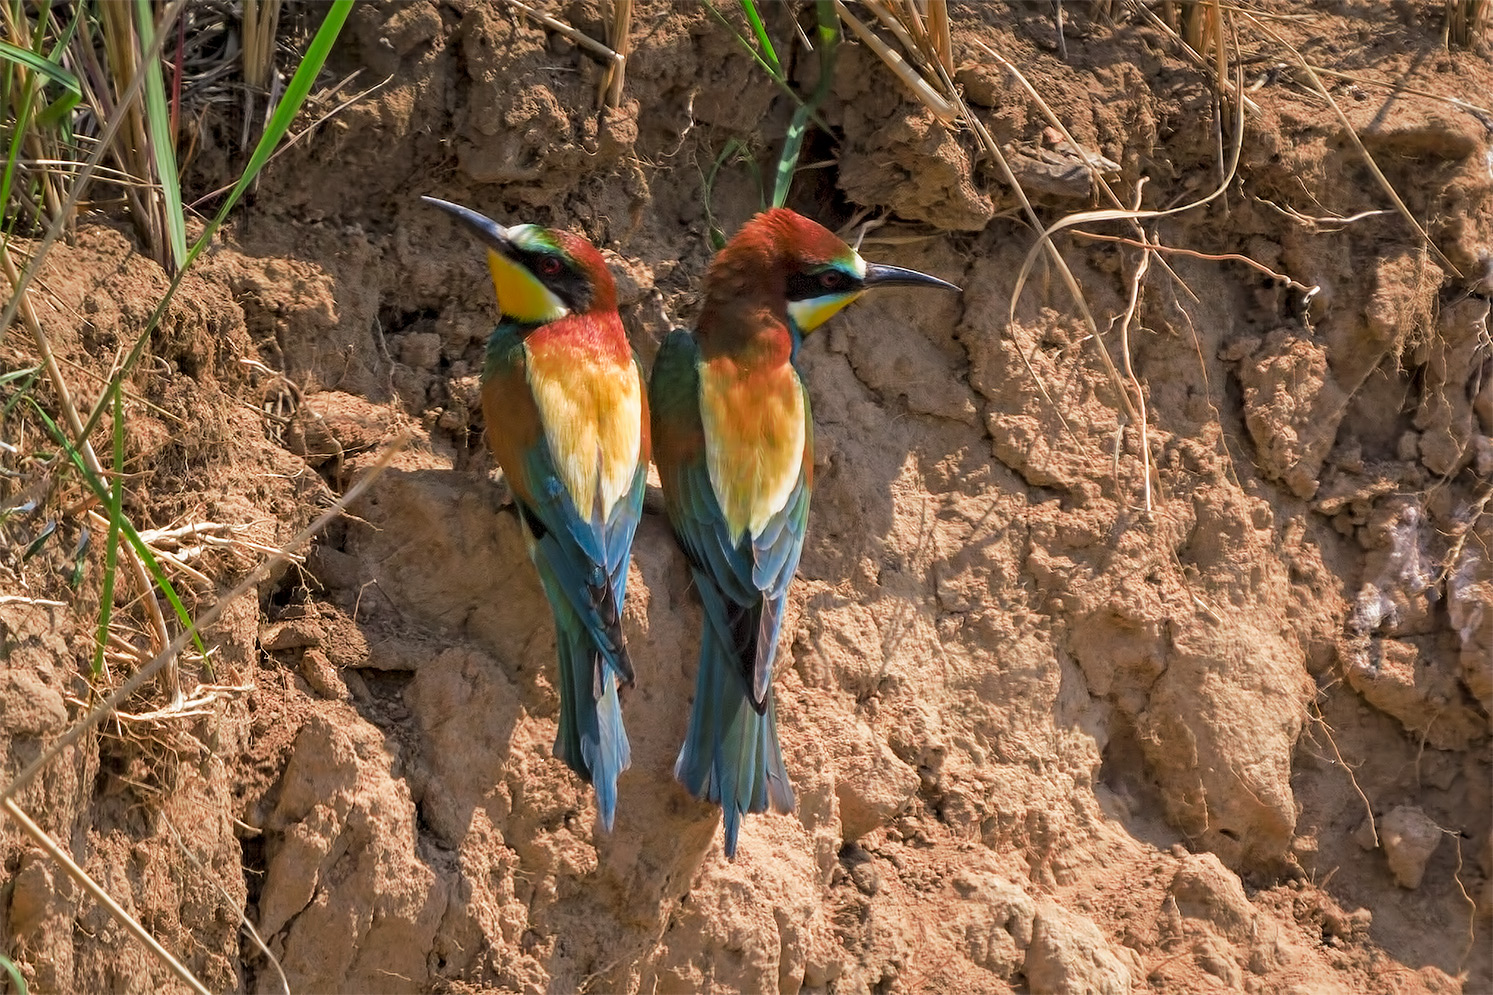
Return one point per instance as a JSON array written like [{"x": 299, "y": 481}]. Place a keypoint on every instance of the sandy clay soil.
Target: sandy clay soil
[{"x": 1075, "y": 697}]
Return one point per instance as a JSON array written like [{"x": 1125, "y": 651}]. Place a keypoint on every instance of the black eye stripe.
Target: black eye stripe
[
  {"x": 570, "y": 285},
  {"x": 817, "y": 283}
]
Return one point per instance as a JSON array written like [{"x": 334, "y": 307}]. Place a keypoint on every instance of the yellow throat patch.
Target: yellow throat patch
[
  {"x": 520, "y": 295},
  {"x": 811, "y": 313}
]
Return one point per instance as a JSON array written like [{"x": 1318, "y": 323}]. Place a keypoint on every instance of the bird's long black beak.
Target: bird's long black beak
[
  {"x": 878, "y": 275},
  {"x": 493, "y": 235}
]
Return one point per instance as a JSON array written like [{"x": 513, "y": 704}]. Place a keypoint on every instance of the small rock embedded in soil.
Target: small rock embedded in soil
[
  {"x": 1069, "y": 956},
  {"x": 1206, "y": 890},
  {"x": 1409, "y": 837}
]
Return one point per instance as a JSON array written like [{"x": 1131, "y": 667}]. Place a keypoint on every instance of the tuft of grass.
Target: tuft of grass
[
  {"x": 760, "y": 46},
  {"x": 924, "y": 74},
  {"x": 38, "y": 95},
  {"x": 140, "y": 70},
  {"x": 109, "y": 57},
  {"x": 161, "y": 143},
  {"x": 736, "y": 152}
]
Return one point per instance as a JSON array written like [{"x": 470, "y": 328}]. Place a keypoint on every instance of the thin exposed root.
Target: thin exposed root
[
  {"x": 1310, "y": 292},
  {"x": 1327, "y": 731},
  {"x": 232, "y": 903}
]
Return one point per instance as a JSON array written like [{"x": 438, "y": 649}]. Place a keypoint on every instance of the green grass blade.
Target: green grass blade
[
  {"x": 754, "y": 18},
  {"x": 772, "y": 70},
  {"x": 58, "y": 111},
  {"x": 16, "y": 979},
  {"x": 13, "y": 153},
  {"x": 6, "y": 378},
  {"x": 22, "y": 391},
  {"x": 828, "y": 32},
  {"x": 35, "y": 545},
  {"x": 717, "y": 236},
  {"x": 80, "y": 558},
  {"x": 152, "y": 565},
  {"x": 163, "y": 149},
  {"x": 296, "y": 92},
  {"x": 111, "y": 544},
  {"x": 41, "y": 64},
  {"x": 290, "y": 103}
]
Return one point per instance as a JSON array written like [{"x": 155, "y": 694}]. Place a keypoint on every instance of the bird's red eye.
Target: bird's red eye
[
  {"x": 550, "y": 266},
  {"x": 832, "y": 280}
]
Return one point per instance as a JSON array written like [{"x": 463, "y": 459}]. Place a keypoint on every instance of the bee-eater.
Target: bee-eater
[
  {"x": 734, "y": 444},
  {"x": 567, "y": 420}
]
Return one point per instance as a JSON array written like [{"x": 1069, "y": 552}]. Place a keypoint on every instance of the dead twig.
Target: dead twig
[
  {"x": 101, "y": 896},
  {"x": 1352, "y": 133}
]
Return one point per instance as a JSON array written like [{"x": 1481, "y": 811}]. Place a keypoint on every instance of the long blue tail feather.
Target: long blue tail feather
[
  {"x": 731, "y": 755},
  {"x": 591, "y": 738}
]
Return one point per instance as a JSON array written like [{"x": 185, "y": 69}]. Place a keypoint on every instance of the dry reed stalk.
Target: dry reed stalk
[
  {"x": 1464, "y": 22},
  {"x": 1234, "y": 90},
  {"x": 124, "y": 64},
  {"x": 942, "y": 108},
  {"x": 261, "y": 22},
  {"x": 1352, "y": 134},
  {"x": 618, "y": 35},
  {"x": 939, "y": 30},
  {"x": 242, "y": 918}
]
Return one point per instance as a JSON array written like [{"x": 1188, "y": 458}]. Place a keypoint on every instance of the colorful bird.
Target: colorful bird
[
  {"x": 562, "y": 394},
  {"x": 734, "y": 444}
]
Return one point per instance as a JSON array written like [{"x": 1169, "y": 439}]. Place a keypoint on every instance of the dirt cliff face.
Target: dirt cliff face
[{"x": 1073, "y": 699}]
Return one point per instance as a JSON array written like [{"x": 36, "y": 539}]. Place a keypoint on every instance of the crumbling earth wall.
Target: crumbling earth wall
[{"x": 1073, "y": 700}]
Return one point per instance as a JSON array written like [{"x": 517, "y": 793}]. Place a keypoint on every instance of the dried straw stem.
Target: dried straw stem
[
  {"x": 1352, "y": 133},
  {"x": 941, "y": 107},
  {"x": 204, "y": 620},
  {"x": 170, "y": 678},
  {"x": 619, "y": 32},
  {"x": 126, "y": 920},
  {"x": 585, "y": 41},
  {"x": 261, "y": 22},
  {"x": 1465, "y": 21}
]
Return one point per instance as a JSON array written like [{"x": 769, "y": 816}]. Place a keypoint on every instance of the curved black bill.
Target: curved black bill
[
  {"x": 492, "y": 233},
  {"x": 878, "y": 275}
]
